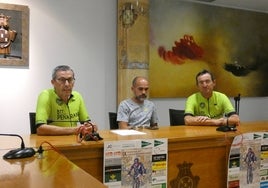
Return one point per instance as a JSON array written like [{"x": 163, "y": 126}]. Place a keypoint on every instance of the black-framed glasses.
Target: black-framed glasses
[{"x": 63, "y": 80}]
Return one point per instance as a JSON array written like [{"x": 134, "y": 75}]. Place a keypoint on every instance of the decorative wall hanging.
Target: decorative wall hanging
[
  {"x": 14, "y": 35},
  {"x": 187, "y": 37},
  {"x": 132, "y": 44}
]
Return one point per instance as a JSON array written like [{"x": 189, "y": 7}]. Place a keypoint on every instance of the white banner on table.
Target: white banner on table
[{"x": 135, "y": 163}]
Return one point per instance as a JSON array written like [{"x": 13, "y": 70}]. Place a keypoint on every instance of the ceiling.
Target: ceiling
[{"x": 254, "y": 5}]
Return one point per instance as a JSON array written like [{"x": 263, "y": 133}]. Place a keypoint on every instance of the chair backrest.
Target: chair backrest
[
  {"x": 113, "y": 121},
  {"x": 176, "y": 117},
  {"x": 32, "y": 122}
]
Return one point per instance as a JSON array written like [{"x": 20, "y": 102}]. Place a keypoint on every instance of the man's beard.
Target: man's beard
[{"x": 141, "y": 98}]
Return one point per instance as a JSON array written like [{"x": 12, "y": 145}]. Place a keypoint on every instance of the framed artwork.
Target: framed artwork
[
  {"x": 14, "y": 35},
  {"x": 187, "y": 37}
]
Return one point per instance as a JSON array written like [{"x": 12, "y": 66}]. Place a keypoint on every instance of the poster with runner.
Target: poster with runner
[
  {"x": 248, "y": 161},
  {"x": 135, "y": 163}
]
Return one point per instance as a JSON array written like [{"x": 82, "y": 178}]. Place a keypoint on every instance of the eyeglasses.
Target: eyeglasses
[{"x": 63, "y": 80}]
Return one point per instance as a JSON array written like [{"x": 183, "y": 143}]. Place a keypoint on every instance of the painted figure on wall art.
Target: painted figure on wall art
[
  {"x": 7, "y": 35},
  {"x": 14, "y": 35},
  {"x": 187, "y": 37}
]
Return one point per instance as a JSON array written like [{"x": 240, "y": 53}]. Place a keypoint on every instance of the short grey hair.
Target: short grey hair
[{"x": 61, "y": 68}]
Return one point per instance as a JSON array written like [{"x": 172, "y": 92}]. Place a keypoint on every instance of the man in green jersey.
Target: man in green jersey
[
  {"x": 208, "y": 107},
  {"x": 59, "y": 110}
]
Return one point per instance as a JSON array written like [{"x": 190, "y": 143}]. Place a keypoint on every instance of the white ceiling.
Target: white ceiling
[{"x": 254, "y": 5}]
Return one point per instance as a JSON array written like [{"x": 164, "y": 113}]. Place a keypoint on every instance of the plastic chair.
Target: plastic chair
[
  {"x": 176, "y": 117},
  {"x": 113, "y": 121}
]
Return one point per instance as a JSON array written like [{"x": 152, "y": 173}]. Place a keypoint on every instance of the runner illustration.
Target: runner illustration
[
  {"x": 139, "y": 171},
  {"x": 250, "y": 159}
]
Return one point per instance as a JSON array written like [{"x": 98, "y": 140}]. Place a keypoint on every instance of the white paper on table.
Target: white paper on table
[{"x": 124, "y": 132}]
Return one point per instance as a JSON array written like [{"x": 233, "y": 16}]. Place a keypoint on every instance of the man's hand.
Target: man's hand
[
  {"x": 202, "y": 118},
  {"x": 91, "y": 125},
  {"x": 204, "y": 121}
]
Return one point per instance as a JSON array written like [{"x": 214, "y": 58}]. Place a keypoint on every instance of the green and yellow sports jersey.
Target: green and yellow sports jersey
[
  {"x": 51, "y": 109},
  {"x": 216, "y": 106}
]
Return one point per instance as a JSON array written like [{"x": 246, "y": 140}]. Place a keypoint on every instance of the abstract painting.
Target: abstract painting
[{"x": 187, "y": 37}]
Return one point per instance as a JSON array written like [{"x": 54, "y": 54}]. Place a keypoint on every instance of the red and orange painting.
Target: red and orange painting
[{"x": 187, "y": 37}]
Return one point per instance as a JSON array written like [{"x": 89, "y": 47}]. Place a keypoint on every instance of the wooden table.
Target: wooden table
[
  {"x": 204, "y": 148},
  {"x": 52, "y": 170}
]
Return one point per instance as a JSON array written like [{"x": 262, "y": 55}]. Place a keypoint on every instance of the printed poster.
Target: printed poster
[
  {"x": 135, "y": 163},
  {"x": 248, "y": 161}
]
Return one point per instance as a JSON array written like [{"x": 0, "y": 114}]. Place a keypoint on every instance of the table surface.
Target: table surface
[
  {"x": 50, "y": 170},
  {"x": 173, "y": 133}
]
